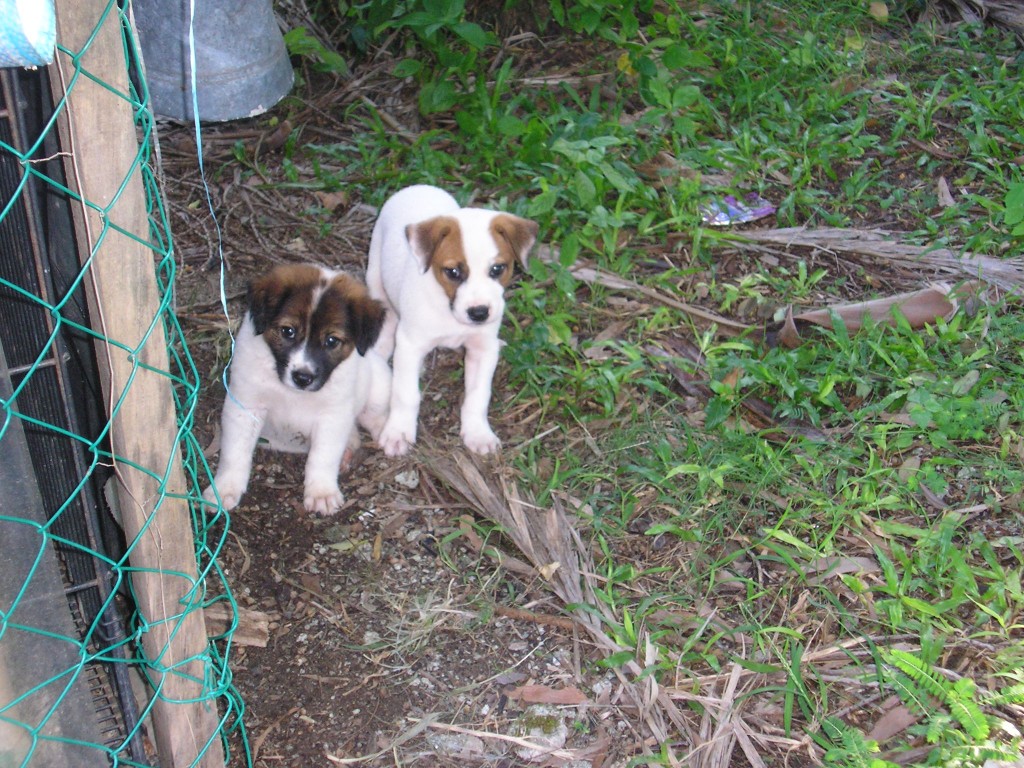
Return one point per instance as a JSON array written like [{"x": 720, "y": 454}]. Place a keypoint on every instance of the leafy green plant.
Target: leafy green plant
[
  {"x": 613, "y": 19},
  {"x": 849, "y": 748},
  {"x": 1015, "y": 208},
  {"x": 953, "y": 711},
  {"x": 430, "y": 20},
  {"x": 300, "y": 42}
]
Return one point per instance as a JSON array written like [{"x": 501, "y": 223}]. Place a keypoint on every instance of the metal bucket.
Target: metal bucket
[{"x": 242, "y": 66}]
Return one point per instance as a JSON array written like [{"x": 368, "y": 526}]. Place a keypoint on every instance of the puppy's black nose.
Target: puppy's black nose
[
  {"x": 302, "y": 379},
  {"x": 478, "y": 314}
]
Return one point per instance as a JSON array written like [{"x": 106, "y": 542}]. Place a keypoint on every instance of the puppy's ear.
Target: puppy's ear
[
  {"x": 265, "y": 299},
  {"x": 425, "y": 236},
  {"x": 520, "y": 234},
  {"x": 365, "y": 319}
]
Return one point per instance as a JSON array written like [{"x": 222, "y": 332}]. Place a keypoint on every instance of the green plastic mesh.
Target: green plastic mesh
[{"x": 80, "y": 656}]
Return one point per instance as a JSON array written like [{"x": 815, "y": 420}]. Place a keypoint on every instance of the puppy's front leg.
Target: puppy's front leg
[
  {"x": 375, "y": 412},
  {"x": 399, "y": 432},
  {"x": 386, "y": 340},
  {"x": 481, "y": 362},
  {"x": 327, "y": 447},
  {"x": 240, "y": 428}
]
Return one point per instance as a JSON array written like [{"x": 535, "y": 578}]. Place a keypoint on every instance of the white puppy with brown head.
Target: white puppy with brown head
[
  {"x": 302, "y": 375},
  {"x": 442, "y": 271}
]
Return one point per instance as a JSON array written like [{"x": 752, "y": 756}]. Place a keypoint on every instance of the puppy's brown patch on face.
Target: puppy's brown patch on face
[
  {"x": 503, "y": 267},
  {"x": 350, "y": 315},
  {"x": 301, "y": 312},
  {"x": 515, "y": 237},
  {"x": 283, "y": 296},
  {"x": 441, "y": 239}
]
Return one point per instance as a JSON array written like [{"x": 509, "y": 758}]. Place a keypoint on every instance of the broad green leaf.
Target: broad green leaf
[
  {"x": 473, "y": 34},
  {"x": 616, "y": 659},
  {"x": 407, "y": 68},
  {"x": 1014, "y": 202}
]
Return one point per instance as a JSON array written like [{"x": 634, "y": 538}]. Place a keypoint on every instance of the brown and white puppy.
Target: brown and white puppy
[
  {"x": 302, "y": 375},
  {"x": 442, "y": 271}
]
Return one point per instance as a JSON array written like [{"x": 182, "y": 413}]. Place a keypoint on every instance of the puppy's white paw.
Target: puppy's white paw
[
  {"x": 394, "y": 446},
  {"x": 481, "y": 439},
  {"x": 396, "y": 439},
  {"x": 323, "y": 499},
  {"x": 230, "y": 493}
]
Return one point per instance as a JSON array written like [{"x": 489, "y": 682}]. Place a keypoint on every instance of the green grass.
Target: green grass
[{"x": 899, "y": 529}]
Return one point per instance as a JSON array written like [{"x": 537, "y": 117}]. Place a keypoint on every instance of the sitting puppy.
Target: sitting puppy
[
  {"x": 442, "y": 271},
  {"x": 301, "y": 376}
]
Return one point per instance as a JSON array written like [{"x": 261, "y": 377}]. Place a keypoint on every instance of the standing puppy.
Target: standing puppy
[
  {"x": 442, "y": 271},
  {"x": 301, "y": 376}
]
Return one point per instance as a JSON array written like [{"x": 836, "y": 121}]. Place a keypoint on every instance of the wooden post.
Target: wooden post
[{"x": 99, "y": 135}]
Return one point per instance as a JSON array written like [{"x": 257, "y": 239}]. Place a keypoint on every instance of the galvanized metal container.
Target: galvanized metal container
[{"x": 241, "y": 64}]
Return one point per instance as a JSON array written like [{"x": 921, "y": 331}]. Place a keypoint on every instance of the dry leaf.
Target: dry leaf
[
  {"x": 279, "y": 137},
  {"x": 298, "y": 245},
  {"x": 731, "y": 379},
  {"x": 894, "y": 721},
  {"x": 789, "y": 334},
  {"x": 908, "y": 468},
  {"x": 825, "y": 567},
  {"x": 945, "y": 196},
  {"x": 615, "y": 331},
  {"x": 548, "y": 570},
  {"x": 918, "y": 307},
  {"x": 331, "y": 200},
  {"x": 879, "y": 12}
]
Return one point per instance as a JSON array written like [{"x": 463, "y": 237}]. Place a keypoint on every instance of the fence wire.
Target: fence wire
[{"x": 77, "y": 686}]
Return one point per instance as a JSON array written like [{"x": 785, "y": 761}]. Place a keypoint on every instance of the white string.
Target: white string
[{"x": 221, "y": 262}]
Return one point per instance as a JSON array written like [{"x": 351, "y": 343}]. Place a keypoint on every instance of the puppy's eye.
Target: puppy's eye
[
  {"x": 453, "y": 273},
  {"x": 287, "y": 332},
  {"x": 332, "y": 342},
  {"x": 497, "y": 270}
]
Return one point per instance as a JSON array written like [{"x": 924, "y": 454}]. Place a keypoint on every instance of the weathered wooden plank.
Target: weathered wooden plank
[{"x": 100, "y": 136}]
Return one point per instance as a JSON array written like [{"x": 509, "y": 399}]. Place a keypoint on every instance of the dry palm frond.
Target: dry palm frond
[
  {"x": 548, "y": 539},
  {"x": 877, "y": 247},
  {"x": 1003, "y": 13}
]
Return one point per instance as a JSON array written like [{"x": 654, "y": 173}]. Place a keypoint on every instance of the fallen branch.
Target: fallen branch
[
  {"x": 593, "y": 275},
  {"x": 877, "y": 245}
]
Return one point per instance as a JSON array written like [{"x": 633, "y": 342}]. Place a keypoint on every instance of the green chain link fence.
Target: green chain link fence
[{"x": 82, "y": 681}]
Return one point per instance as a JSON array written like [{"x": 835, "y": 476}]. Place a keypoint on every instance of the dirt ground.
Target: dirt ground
[{"x": 392, "y": 637}]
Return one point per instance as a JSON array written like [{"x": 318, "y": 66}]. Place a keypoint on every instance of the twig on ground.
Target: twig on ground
[
  {"x": 588, "y": 274},
  {"x": 519, "y": 614},
  {"x": 257, "y": 743},
  {"x": 566, "y": 754},
  {"x": 419, "y": 726}
]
